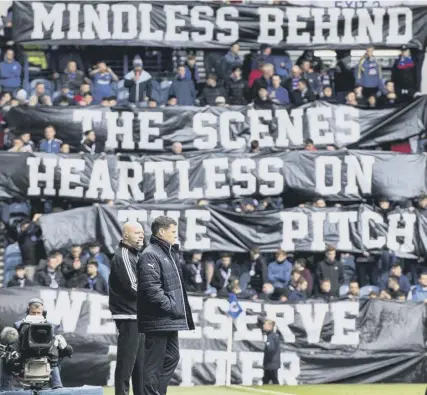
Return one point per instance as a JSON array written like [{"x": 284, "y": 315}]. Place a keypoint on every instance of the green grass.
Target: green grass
[{"x": 334, "y": 389}]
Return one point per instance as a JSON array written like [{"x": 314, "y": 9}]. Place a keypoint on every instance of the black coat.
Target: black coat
[
  {"x": 189, "y": 271},
  {"x": 100, "y": 285},
  {"x": 272, "y": 352},
  {"x": 43, "y": 278},
  {"x": 237, "y": 92},
  {"x": 333, "y": 271},
  {"x": 221, "y": 273},
  {"x": 260, "y": 276},
  {"x": 76, "y": 278},
  {"x": 16, "y": 282},
  {"x": 209, "y": 95},
  {"x": 162, "y": 302},
  {"x": 299, "y": 99}
]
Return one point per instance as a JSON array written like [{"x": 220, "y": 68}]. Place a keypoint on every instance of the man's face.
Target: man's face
[
  {"x": 177, "y": 148},
  {"x": 384, "y": 204},
  {"x": 296, "y": 276},
  {"x": 59, "y": 258},
  {"x": 358, "y": 91},
  {"x": 351, "y": 97},
  {"x": 52, "y": 263},
  {"x": 327, "y": 91},
  {"x": 262, "y": 93},
  {"x": 237, "y": 73},
  {"x": 326, "y": 286},
  {"x": 280, "y": 256},
  {"x": 172, "y": 101},
  {"x": 235, "y": 48},
  {"x": 113, "y": 102},
  {"x": 226, "y": 261},
  {"x": 372, "y": 101},
  {"x": 94, "y": 250},
  {"x": 35, "y": 310},
  {"x": 91, "y": 136},
  {"x": 211, "y": 82},
  {"x": 390, "y": 86},
  {"x": 320, "y": 203},
  {"x": 105, "y": 103},
  {"x": 303, "y": 286},
  {"x": 88, "y": 99},
  {"x": 406, "y": 53},
  {"x": 197, "y": 257},
  {"x": 276, "y": 81},
  {"x": 396, "y": 271},
  {"x": 72, "y": 67},
  {"x": 181, "y": 71},
  {"x": 134, "y": 236},
  {"x": 191, "y": 62},
  {"x": 354, "y": 289},
  {"x": 76, "y": 251},
  {"x": 49, "y": 133},
  {"x": 84, "y": 88},
  {"x": 267, "y": 327},
  {"x": 26, "y": 137},
  {"x": 92, "y": 269},
  {"x": 305, "y": 66},
  {"x": 65, "y": 148},
  {"x": 423, "y": 280},
  {"x": 370, "y": 52},
  {"x": 20, "y": 273},
  {"x": 169, "y": 234},
  {"x": 40, "y": 89},
  {"x": 102, "y": 67},
  {"x": 296, "y": 71},
  {"x": 330, "y": 255},
  {"x": 422, "y": 202},
  {"x": 10, "y": 55},
  {"x": 18, "y": 143},
  {"x": 152, "y": 104}
]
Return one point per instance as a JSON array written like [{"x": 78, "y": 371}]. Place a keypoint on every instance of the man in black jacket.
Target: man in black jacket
[
  {"x": 272, "y": 350},
  {"x": 163, "y": 307},
  {"x": 122, "y": 301}
]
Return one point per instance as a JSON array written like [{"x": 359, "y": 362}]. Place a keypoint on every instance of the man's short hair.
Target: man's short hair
[{"x": 161, "y": 222}]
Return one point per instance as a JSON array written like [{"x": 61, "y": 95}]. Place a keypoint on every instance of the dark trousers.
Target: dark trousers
[
  {"x": 161, "y": 360},
  {"x": 270, "y": 375},
  {"x": 130, "y": 358}
]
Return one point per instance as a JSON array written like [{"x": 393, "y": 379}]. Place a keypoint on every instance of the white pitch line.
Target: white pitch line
[{"x": 259, "y": 390}]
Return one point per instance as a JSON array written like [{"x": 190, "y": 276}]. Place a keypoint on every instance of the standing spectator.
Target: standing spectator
[
  {"x": 103, "y": 77},
  {"x": 311, "y": 77},
  {"x": 194, "y": 273},
  {"x": 344, "y": 75},
  {"x": 72, "y": 77},
  {"x": 264, "y": 56},
  {"x": 50, "y": 144},
  {"x": 10, "y": 73},
  {"x": 89, "y": 145},
  {"x": 183, "y": 88},
  {"x": 291, "y": 84},
  {"x": 419, "y": 292},
  {"x": 40, "y": 97},
  {"x": 12, "y": 258},
  {"x": 277, "y": 93},
  {"x": 231, "y": 59},
  {"x": 303, "y": 94},
  {"x": 211, "y": 91},
  {"x": 237, "y": 88},
  {"x": 282, "y": 65},
  {"x": 349, "y": 267},
  {"x": 138, "y": 81},
  {"x": 162, "y": 305},
  {"x": 271, "y": 362},
  {"x": 257, "y": 271},
  {"x": 388, "y": 98},
  {"x": 191, "y": 70},
  {"x": 94, "y": 281},
  {"x": 103, "y": 262},
  {"x": 300, "y": 291},
  {"x": 30, "y": 243},
  {"x": 368, "y": 73},
  {"x": 404, "y": 75},
  {"x": 20, "y": 279},
  {"x": 264, "y": 81},
  {"x": 354, "y": 291},
  {"x": 315, "y": 61},
  {"x": 332, "y": 270},
  {"x": 51, "y": 275},
  {"x": 279, "y": 271}
]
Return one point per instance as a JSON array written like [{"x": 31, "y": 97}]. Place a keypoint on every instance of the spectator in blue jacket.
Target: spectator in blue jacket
[
  {"x": 230, "y": 60},
  {"x": 368, "y": 73},
  {"x": 279, "y": 271},
  {"x": 276, "y": 92},
  {"x": 396, "y": 271},
  {"x": 10, "y": 72},
  {"x": 419, "y": 292},
  {"x": 103, "y": 77},
  {"x": 50, "y": 144},
  {"x": 183, "y": 88}
]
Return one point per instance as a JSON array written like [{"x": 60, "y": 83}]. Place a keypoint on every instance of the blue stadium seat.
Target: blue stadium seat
[
  {"x": 344, "y": 290},
  {"x": 367, "y": 289},
  {"x": 49, "y": 88},
  {"x": 122, "y": 92}
]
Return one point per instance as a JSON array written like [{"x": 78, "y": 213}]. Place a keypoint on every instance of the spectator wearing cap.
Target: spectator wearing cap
[
  {"x": 263, "y": 102},
  {"x": 94, "y": 281},
  {"x": 276, "y": 92},
  {"x": 211, "y": 91},
  {"x": 303, "y": 94},
  {"x": 311, "y": 77},
  {"x": 419, "y": 292},
  {"x": 396, "y": 271},
  {"x": 72, "y": 77},
  {"x": 102, "y": 77},
  {"x": 89, "y": 145},
  {"x": 389, "y": 97},
  {"x": 404, "y": 75},
  {"x": 138, "y": 81},
  {"x": 40, "y": 98},
  {"x": 20, "y": 279},
  {"x": 194, "y": 273},
  {"x": 231, "y": 59},
  {"x": 103, "y": 262},
  {"x": 237, "y": 88},
  {"x": 10, "y": 72},
  {"x": 279, "y": 270},
  {"x": 264, "y": 81},
  {"x": 50, "y": 144},
  {"x": 368, "y": 73},
  {"x": 51, "y": 275},
  {"x": 183, "y": 88},
  {"x": 332, "y": 270},
  {"x": 191, "y": 70}
]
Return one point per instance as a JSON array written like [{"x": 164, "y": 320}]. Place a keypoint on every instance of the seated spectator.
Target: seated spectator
[
  {"x": 10, "y": 73},
  {"x": 404, "y": 75},
  {"x": 86, "y": 100},
  {"x": 300, "y": 291},
  {"x": 95, "y": 282},
  {"x": 257, "y": 271},
  {"x": 172, "y": 101},
  {"x": 231, "y": 59},
  {"x": 372, "y": 101},
  {"x": 388, "y": 98},
  {"x": 20, "y": 279},
  {"x": 138, "y": 81},
  {"x": 89, "y": 145},
  {"x": 295, "y": 277},
  {"x": 76, "y": 254},
  {"x": 315, "y": 61},
  {"x": 71, "y": 77},
  {"x": 224, "y": 270},
  {"x": 29, "y": 146},
  {"x": 351, "y": 99},
  {"x": 328, "y": 95},
  {"x": 183, "y": 88},
  {"x": 6, "y": 98},
  {"x": 18, "y": 146},
  {"x": 303, "y": 94},
  {"x": 360, "y": 99},
  {"x": 112, "y": 101},
  {"x": 325, "y": 291},
  {"x": 64, "y": 96},
  {"x": 152, "y": 103},
  {"x": 368, "y": 73},
  {"x": 332, "y": 270},
  {"x": 354, "y": 291},
  {"x": 393, "y": 287},
  {"x": 267, "y": 292},
  {"x": 80, "y": 94},
  {"x": 277, "y": 93},
  {"x": 291, "y": 84},
  {"x": 51, "y": 275},
  {"x": 50, "y": 144},
  {"x": 103, "y": 77},
  {"x": 419, "y": 292},
  {"x": 40, "y": 98},
  {"x": 191, "y": 71},
  {"x": 103, "y": 262},
  {"x": 311, "y": 77},
  {"x": 396, "y": 271},
  {"x": 177, "y": 148},
  {"x": 211, "y": 91},
  {"x": 237, "y": 88},
  {"x": 263, "y": 102},
  {"x": 76, "y": 276},
  {"x": 301, "y": 266},
  {"x": 105, "y": 102},
  {"x": 309, "y": 145},
  {"x": 279, "y": 270},
  {"x": 12, "y": 258},
  {"x": 373, "y": 295},
  {"x": 254, "y": 149},
  {"x": 235, "y": 288},
  {"x": 264, "y": 81},
  {"x": 193, "y": 273},
  {"x": 65, "y": 149}
]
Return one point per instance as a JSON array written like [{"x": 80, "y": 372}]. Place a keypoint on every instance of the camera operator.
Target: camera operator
[{"x": 36, "y": 314}]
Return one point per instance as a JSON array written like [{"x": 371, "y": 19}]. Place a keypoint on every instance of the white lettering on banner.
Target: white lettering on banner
[
  {"x": 100, "y": 316},
  {"x": 220, "y": 359},
  {"x": 312, "y": 318},
  {"x": 184, "y": 23},
  {"x": 188, "y": 358},
  {"x": 242, "y": 330},
  {"x": 213, "y": 315},
  {"x": 112, "y": 353},
  {"x": 196, "y": 304},
  {"x": 401, "y": 226},
  {"x": 344, "y": 326},
  {"x": 251, "y": 374}
]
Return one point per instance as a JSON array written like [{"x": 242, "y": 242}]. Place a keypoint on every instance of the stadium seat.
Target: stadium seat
[
  {"x": 367, "y": 289},
  {"x": 47, "y": 84},
  {"x": 122, "y": 92},
  {"x": 344, "y": 290}
]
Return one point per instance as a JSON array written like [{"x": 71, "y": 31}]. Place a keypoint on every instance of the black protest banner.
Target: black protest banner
[
  {"x": 345, "y": 342},
  {"x": 353, "y": 228},
  {"x": 231, "y": 128},
  {"x": 213, "y": 25},
  {"x": 297, "y": 176}
]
